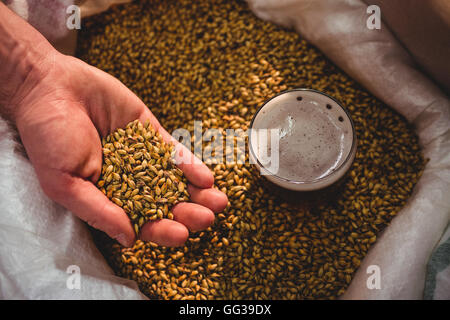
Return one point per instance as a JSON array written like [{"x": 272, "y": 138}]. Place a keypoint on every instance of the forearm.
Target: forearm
[{"x": 24, "y": 58}]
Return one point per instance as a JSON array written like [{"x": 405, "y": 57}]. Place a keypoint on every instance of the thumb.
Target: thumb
[{"x": 91, "y": 205}]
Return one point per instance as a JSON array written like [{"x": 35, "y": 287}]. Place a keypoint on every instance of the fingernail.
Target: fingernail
[{"x": 122, "y": 239}]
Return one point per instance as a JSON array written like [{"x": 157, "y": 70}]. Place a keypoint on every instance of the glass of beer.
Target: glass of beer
[{"x": 308, "y": 136}]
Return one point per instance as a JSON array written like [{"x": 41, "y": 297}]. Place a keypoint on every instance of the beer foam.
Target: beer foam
[{"x": 316, "y": 134}]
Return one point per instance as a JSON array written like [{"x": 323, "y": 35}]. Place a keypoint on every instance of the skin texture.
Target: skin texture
[{"x": 62, "y": 107}]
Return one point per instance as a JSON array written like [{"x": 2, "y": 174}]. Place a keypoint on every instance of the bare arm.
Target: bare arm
[{"x": 23, "y": 51}]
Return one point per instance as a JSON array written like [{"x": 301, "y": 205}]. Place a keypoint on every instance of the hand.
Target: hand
[{"x": 61, "y": 111}]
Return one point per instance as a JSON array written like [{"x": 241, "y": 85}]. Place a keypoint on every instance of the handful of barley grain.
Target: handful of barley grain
[{"x": 139, "y": 174}]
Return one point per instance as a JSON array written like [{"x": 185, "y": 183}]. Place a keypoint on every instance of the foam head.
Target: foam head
[{"x": 316, "y": 135}]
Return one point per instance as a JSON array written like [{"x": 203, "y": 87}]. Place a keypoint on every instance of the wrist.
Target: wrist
[{"x": 25, "y": 58}]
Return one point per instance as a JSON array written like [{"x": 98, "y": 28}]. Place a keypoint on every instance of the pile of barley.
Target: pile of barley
[
  {"x": 139, "y": 174},
  {"x": 214, "y": 61}
]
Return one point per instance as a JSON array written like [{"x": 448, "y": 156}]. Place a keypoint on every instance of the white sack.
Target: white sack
[
  {"x": 438, "y": 275},
  {"x": 376, "y": 60}
]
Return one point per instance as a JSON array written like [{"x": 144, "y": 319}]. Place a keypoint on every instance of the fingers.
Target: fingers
[
  {"x": 210, "y": 198},
  {"x": 190, "y": 216},
  {"x": 194, "y": 216},
  {"x": 165, "y": 232},
  {"x": 193, "y": 168},
  {"x": 91, "y": 205}
]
